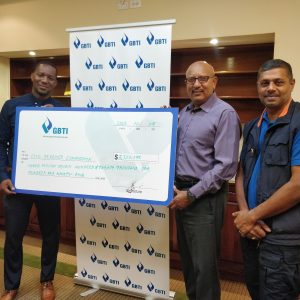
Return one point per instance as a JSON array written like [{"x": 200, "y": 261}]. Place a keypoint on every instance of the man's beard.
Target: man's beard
[{"x": 42, "y": 93}]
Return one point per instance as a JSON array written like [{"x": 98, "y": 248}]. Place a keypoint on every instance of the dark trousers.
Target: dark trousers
[
  {"x": 250, "y": 249},
  {"x": 272, "y": 272},
  {"x": 198, "y": 233},
  {"x": 17, "y": 211}
]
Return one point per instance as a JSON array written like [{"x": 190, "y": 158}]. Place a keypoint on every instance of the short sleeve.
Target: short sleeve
[{"x": 295, "y": 157}]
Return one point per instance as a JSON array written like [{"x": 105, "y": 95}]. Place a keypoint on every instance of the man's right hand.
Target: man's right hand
[
  {"x": 7, "y": 187},
  {"x": 259, "y": 231}
]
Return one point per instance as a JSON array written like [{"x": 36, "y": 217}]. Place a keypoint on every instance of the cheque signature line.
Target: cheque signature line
[{"x": 142, "y": 188}]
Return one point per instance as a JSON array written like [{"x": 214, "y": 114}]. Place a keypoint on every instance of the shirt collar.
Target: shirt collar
[
  {"x": 265, "y": 116},
  {"x": 41, "y": 101},
  {"x": 206, "y": 106}
]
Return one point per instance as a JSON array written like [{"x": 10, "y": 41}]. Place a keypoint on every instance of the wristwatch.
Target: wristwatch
[{"x": 191, "y": 196}]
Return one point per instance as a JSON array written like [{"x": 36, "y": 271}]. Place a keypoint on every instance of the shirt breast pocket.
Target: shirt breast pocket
[{"x": 277, "y": 151}]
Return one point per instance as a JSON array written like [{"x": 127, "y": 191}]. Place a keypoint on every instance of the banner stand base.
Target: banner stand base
[
  {"x": 96, "y": 287},
  {"x": 89, "y": 292},
  {"x": 171, "y": 295}
]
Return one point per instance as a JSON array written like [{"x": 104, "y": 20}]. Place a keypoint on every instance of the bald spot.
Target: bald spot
[{"x": 202, "y": 66}]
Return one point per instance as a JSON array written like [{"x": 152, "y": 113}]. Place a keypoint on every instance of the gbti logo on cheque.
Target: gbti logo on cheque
[{"x": 52, "y": 131}]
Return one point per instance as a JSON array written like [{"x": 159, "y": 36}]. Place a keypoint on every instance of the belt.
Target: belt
[{"x": 182, "y": 182}]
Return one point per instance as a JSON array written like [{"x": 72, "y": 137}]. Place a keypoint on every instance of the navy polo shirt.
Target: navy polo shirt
[
  {"x": 7, "y": 127},
  {"x": 295, "y": 159}
]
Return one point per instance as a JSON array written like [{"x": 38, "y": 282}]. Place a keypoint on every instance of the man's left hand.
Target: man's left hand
[{"x": 180, "y": 201}]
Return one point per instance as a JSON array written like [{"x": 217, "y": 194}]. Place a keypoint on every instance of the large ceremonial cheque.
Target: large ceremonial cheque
[{"x": 113, "y": 154}]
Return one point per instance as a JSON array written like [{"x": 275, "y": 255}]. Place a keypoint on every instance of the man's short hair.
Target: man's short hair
[
  {"x": 273, "y": 64},
  {"x": 45, "y": 62}
]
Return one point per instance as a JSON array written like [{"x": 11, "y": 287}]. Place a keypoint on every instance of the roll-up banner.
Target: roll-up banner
[{"x": 122, "y": 246}]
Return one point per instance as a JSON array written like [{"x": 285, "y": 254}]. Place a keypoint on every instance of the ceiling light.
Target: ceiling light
[
  {"x": 32, "y": 53},
  {"x": 214, "y": 41}
]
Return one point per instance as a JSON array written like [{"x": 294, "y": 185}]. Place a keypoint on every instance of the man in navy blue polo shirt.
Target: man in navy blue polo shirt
[
  {"x": 268, "y": 189},
  {"x": 17, "y": 207}
]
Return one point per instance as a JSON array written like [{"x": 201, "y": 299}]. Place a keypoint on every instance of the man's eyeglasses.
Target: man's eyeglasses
[{"x": 201, "y": 79}]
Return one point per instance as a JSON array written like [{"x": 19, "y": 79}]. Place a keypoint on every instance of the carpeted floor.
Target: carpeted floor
[{"x": 66, "y": 289}]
